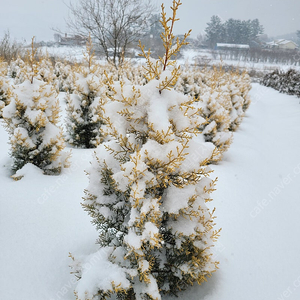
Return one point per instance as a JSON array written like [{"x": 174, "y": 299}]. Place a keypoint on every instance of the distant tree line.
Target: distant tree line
[{"x": 232, "y": 31}]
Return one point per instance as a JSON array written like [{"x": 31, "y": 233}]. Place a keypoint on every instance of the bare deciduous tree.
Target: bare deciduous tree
[
  {"x": 114, "y": 24},
  {"x": 9, "y": 49}
]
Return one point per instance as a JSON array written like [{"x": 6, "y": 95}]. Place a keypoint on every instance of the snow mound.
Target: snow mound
[{"x": 29, "y": 171}]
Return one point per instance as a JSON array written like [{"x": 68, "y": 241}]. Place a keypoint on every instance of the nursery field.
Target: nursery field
[
  {"x": 199, "y": 57},
  {"x": 256, "y": 200},
  {"x": 208, "y": 57}
]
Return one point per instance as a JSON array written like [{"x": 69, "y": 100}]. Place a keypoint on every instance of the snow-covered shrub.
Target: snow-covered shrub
[
  {"x": 148, "y": 190},
  {"x": 191, "y": 82},
  {"x": 238, "y": 90},
  {"x": 217, "y": 127},
  {"x": 45, "y": 71},
  {"x": 236, "y": 112},
  {"x": 272, "y": 79},
  {"x": 84, "y": 117},
  {"x": 35, "y": 64},
  {"x": 5, "y": 90},
  {"x": 223, "y": 99},
  {"x": 31, "y": 119},
  {"x": 232, "y": 88},
  {"x": 134, "y": 73},
  {"x": 5, "y": 93},
  {"x": 291, "y": 83},
  {"x": 3, "y": 68},
  {"x": 284, "y": 82},
  {"x": 27, "y": 69},
  {"x": 244, "y": 83},
  {"x": 64, "y": 77},
  {"x": 214, "y": 105},
  {"x": 15, "y": 70}
]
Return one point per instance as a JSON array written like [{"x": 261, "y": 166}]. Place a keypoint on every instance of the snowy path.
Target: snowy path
[
  {"x": 259, "y": 195},
  {"x": 257, "y": 200}
]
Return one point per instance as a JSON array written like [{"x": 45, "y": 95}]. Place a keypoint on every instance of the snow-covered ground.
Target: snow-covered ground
[
  {"x": 257, "y": 201},
  {"x": 205, "y": 57}
]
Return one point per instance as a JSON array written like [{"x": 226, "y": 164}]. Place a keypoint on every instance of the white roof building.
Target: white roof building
[{"x": 283, "y": 44}]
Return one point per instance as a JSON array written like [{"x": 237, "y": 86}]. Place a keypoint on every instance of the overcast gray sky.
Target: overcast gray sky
[{"x": 27, "y": 18}]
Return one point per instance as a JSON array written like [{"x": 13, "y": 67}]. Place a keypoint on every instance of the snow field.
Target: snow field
[{"x": 257, "y": 207}]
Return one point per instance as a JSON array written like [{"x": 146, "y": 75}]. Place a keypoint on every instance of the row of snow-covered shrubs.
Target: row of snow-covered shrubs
[
  {"x": 221, "y": 97},
  {"x": 156, "y": 130},
  {"x": 285, "y": 82}
]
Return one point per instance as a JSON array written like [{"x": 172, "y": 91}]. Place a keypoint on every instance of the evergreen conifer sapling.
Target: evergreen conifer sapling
[
  {"x": 83, "y": 105},
  {"x": 32, "y": 121},
  {"x": 148, "y": 188}
]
